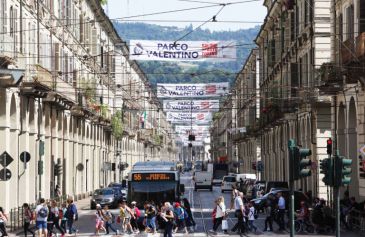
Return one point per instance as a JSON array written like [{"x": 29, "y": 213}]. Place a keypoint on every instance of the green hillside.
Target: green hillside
[{"x": 182, "y": 72}]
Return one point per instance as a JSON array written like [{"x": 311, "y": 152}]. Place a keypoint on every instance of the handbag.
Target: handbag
[{"x": 224, "y": 225}]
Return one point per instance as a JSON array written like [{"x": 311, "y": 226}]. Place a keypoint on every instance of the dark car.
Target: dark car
[
  {"x": 120, "y": 190},
  {"x": 104, "y": 196},
  {"x": 298, "y": 197},
  {"x": 276, "y": 185}
]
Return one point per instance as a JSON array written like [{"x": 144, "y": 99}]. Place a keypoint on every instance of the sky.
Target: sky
[{"x": 246, "y": 14}]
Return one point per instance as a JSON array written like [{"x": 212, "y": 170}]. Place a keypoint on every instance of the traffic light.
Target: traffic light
[
  {"x": 326, "y": 166},
  {"x": 301, "y": 163},
  {"x": 254, "y": 166},
  {"x": 40, "y": 167},
  {"x": 57, "y": 169},
  {"x": 329, "y": 146},
  {"x": 343, "y": 169}
]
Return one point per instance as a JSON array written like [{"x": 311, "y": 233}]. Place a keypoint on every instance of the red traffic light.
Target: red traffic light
[{"x": 329, "y": 141}]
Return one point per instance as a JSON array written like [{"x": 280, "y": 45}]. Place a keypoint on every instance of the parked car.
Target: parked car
[
  {"x": 227, "y": 183},
  {"x": 298, "y": 197},
  {"x": 276, "y": 184},
  {"x": 104, "y": 196}
]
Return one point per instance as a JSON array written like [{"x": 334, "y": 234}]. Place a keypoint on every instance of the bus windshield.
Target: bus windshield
[{"x": 150, "y": 191}]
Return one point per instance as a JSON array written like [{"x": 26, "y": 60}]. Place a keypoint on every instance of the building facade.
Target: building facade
[{"x": 62, "y": 82}]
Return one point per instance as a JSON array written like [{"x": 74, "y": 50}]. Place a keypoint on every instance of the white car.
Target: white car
[{"x": 227, "y": 183}]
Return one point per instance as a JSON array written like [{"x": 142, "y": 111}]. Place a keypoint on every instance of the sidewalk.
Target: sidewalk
[{"x": 81, "y": 204}]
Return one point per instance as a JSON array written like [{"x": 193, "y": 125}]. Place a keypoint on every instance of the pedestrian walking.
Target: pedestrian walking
[
  {"x": 41, "y": 213},
  {"x": 220, "y": 213},
  {"x": 28, "y": 217},
  {"x": 281, "y": 211},
  {"x": 252, "y": 215},
  {"x": 150, "y": 218},
  {"x": 71, "y": 215},
  {"x": 128, "y": 215},
  {"x": 109, "y": 220},
  {"x": 64, "y": 219},
  {"x": 168, "y": 216},
  {"x": 270, "y": 212},
  {"x": 3, "y": 220},
  {"x": 57, "y": 214},
  {"x": 136, "y": 217},
  {"x": 240, "y": 214},
  {"x": 50, "y": 223},
  {"x": 99, "y": 220},
  {"x": 179, "y": 213},
  {"x": 187, "y": 207}
]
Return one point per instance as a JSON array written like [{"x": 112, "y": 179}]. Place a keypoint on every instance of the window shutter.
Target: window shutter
[
  {"x": 5, "y": 17},
  {"x": 362, "y": 17},
  {"x": 57, "y": 57},
  {"x": 81, "y": 28},
  {"x": 94, "y": 43}
]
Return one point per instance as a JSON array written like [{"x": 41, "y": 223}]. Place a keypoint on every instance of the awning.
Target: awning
[
  {"x": 151, "y": 187},
  {"x": 11, "y": 76}
]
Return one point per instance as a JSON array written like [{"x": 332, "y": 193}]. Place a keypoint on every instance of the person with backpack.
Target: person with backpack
[
  {"x": 150, "y": 213},
  {"x": 41, "y": 213},
  {"x": 64, "y": 219},
  {"x": 99, "y": 225},
  {"x": 180, "y": 215},
  {"x": 252, "y": 216},
  {"x": 220, "y": 213},
  {"x": 28, "y": 217},
  {"x": 109, "y": 220},
  {"x": 57, "y": 215},
  {"x": 71, "y": 215},
  {"x": 136, "y": 216},
  {"x": 3, "y": 220}
]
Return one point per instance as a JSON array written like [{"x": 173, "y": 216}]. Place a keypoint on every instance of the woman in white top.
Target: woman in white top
[{"x": 220, "y": 214}]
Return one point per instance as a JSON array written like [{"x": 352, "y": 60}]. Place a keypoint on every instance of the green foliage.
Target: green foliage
[
  {"x": 104, "y": 110},
  {"x": 88, "y": 88},
  {"x": 189, "y": 72},
  {"x": 103, "y": 2},
  {"x": 117, "y": 125}
]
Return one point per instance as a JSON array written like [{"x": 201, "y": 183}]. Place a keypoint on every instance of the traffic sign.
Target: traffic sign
[
  {"x": 5, "y": 174},
  {"x": 5, "y": 159},
  {"x": 362, "y": 150},
  {"x": 25, "y": 156}
]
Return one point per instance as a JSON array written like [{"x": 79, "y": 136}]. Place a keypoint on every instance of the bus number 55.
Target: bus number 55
[{"x": 137, "y": 177}]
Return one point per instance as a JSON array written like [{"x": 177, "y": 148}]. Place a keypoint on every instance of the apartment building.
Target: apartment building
[{"x": 64, "y": 76}]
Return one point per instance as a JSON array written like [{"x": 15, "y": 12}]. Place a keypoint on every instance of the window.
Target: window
[{"x": 350, "y": 22}]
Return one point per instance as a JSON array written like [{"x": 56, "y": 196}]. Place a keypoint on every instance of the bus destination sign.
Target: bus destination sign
[{"x": 153, "y": 177}]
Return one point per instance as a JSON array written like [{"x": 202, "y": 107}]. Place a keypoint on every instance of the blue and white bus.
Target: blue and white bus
[{"x": 156, "y": 181}]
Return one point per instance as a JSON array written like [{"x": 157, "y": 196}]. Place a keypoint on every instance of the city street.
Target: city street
[{"x": 202, "y": 203}]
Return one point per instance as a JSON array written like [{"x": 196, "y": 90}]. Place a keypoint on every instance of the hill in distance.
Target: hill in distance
[{"x": 186, "y": 72}]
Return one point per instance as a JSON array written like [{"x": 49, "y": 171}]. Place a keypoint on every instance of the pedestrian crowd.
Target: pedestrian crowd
[{"x": 171, "y": 217}]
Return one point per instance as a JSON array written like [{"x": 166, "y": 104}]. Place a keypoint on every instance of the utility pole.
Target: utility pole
[{"x": 336, "y": 190}]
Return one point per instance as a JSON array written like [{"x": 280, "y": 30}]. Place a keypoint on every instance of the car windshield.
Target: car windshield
[
  {"x": 104, "y": 192},
  {"x": 229, "y": 179}
]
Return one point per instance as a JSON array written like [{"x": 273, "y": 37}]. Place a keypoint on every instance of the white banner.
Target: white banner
[
  {"x": 194, "y": 143},
  {"x": 182, "y": 50},
  {"x": 188, "y": 118},
  {"x": 191, "y": 105},
  {"x": 192, "y": 90},
  {"x": 196, "y": 130}
]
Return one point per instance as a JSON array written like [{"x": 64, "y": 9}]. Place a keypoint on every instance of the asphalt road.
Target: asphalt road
[{"x": 202, "y": 203}]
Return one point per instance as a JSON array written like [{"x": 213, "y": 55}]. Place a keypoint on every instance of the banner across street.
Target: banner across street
[
  {"x": 191, "y": 105},
  {"x": 183, "y": 50},
  {"x": 201, "y": 90},
  {"x": 188, "y": 118}
]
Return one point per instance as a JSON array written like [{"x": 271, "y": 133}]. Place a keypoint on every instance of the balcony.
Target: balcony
[{"x": 39, "y": 76}]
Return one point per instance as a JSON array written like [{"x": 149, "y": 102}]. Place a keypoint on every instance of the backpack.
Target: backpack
[
  {"x": 180, "y": 214},
  {"x": 43, "y": 212},
  {"x": 214, "y": 213},
  {"x": 70, "y": 213},
  {"x": 138, "y": 212},
  {"x": 60, "y": 213}
]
